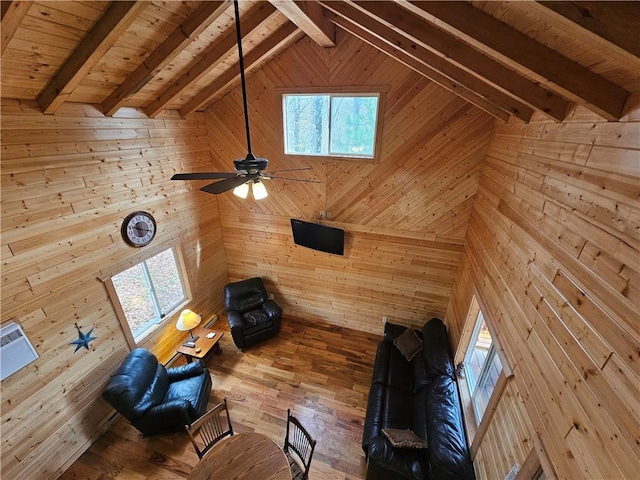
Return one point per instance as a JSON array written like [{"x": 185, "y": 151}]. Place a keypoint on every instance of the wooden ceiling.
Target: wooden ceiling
[{"x": 507, "y": 58}]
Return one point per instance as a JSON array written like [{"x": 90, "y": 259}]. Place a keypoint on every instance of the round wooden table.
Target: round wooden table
[{"x": 244, "y": 456}]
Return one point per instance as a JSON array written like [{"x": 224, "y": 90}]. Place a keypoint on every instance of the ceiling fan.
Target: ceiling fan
[{"x": 249, "y": 171}]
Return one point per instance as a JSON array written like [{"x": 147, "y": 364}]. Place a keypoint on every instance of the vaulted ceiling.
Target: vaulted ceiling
[{"x": 507, "y": 58}]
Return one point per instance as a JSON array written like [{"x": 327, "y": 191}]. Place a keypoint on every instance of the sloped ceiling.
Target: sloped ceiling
[{"x": 507, "y": 58}]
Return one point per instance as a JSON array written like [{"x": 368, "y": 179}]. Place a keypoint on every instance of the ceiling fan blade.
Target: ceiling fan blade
[
  {"x": 203, "y": 175},
  {"x": 226, "y": 184},
  {"x": 288, "y": 178}
]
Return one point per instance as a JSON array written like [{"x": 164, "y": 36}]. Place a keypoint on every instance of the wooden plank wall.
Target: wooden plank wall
[
  {"x": 67, "y": 183},
  {"x": 552, "y": 252},
  {"x": 405, "y": 215},
  {"x": 504, "y": 445}
]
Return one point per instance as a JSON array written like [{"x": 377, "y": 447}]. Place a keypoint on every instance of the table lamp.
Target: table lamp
[{"x": 188, "y": 320}]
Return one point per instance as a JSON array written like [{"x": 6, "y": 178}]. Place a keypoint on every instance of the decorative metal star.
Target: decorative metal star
[{"x": 83, "y": 339}]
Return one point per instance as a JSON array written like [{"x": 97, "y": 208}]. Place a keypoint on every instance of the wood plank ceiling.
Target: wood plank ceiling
[{"x": 507, "y": 58}]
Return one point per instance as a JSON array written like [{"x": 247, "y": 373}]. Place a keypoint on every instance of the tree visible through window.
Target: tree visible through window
[
  {"x": 148, "y": 291},
  {"x": 330, "y": 124}
]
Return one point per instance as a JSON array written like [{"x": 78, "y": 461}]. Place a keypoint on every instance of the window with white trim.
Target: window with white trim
[
  {"x": 148, "y": 292},
  {"x": 482, "y": 367},
  {"x": 331, "y": 124}
]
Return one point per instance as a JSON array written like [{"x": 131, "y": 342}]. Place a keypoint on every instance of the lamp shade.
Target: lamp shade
[
  {"x": 242, "y": 190},
  {"x": 188, "y": 320},
  {"x": 259, "y": 190}
]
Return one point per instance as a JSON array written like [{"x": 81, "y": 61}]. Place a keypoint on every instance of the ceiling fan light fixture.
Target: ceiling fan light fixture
[
  {"x": 259, "y": 190},
  {"x": 242, "y": 190}
]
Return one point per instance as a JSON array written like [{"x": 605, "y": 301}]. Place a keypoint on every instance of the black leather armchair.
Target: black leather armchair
[
  {"x": 155, "y": 399},
  {"x": 252, "y": 316}
]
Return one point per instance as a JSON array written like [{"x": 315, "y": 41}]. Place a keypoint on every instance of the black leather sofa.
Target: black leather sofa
[
  {"x": 252, "y": 316},
  {"x": 156, "y": 399},
  {"x": 421, "y": 395}
]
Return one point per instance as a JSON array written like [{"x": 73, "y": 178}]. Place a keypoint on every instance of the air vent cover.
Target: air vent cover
[{"x": 16, "y": 350}]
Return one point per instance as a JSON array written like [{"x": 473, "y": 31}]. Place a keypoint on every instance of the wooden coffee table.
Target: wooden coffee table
[{"x": 204, "y": 346}]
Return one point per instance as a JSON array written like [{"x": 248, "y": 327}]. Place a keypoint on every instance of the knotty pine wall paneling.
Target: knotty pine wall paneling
[
  {"x": 552, "y": 251},
  {"x": 405, "y": 215},
  {"x": 68, "y": 181}
]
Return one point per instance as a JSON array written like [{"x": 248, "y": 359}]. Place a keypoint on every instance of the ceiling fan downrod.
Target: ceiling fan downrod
[{"x": 243, "y": 82}]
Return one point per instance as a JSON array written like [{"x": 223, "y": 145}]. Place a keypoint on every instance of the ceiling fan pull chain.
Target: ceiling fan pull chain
[{"x": 242, "y": 81}]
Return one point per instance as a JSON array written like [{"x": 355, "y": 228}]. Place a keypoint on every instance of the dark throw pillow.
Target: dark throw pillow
[
  {"x": 408, "y": 343},
  {"x": 403, "y": 438}
]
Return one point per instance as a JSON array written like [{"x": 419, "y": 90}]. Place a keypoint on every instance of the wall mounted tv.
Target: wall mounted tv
[{"x": 318, "y": 237}]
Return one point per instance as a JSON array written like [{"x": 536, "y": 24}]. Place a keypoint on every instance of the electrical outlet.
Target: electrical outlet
[
  {"x": 321, "y": 215},
  {"x": 328, "y": 215},
  {"x": 384, "y": 319}
]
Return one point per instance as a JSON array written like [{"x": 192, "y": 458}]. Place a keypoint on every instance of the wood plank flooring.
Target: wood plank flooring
[{"x": 322, "y": 372}]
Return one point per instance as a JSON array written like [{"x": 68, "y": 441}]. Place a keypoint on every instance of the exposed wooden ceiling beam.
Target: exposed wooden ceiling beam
[
  {"x": 117, "y": 18},
  {"x": 616, "y": 22},
  {"x": 456, "y": 75},
  {"x": 419, "y": 67},
  {"x": 526, "y": 56},
  {"x": 452, "y": 49},
  {"x": 265, "y": 48},
  {"x": 210, "y": 59},
  {"x": 12, "y": 15},
  {"x": 309, "y": 18},
  {"x": 192, "y": 26}
]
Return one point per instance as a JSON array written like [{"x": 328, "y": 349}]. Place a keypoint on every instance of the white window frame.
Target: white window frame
[
  {"x": 475, "y": 385},
  {"x": 160, "y": 321},
  {"x": 359, "y": 91},
  {"x": 476, "y": 429}
]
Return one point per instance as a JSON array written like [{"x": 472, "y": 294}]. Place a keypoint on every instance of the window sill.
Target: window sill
[
  {"x": 324, "y": 158},
  {"x": 476, "y": 431},
  {"x": 469, "y": 416}
]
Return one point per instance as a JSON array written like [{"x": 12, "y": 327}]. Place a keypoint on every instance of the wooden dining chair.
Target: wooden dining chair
[
  {"x": 210, "y": 428},
  {"x": 298, "y": 447}
]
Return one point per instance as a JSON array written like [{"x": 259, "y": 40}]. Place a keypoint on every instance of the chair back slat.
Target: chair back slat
[
  {"x": 299, "y": 441},
  {"x": 209, "y": 429}
]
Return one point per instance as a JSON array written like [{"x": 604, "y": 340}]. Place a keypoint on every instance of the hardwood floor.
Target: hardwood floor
[{"x": 322, "y": 372}]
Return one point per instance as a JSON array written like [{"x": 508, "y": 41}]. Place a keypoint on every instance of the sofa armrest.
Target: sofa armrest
[
  {"x": 236, "y": 325},
  {"x": 407, "y": 462},
  {"x": 449, "y": 457},
  {"x": 392, "y": 331},
  {"x": 274, "y": 312},
  {"x": 272, "y": 309},
  {"x": 235, "y": 318},
  {"x": 182, "y": 372}
]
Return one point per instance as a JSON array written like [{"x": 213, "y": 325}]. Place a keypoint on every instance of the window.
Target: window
[
  {"x": 482, "y": 367},
  {"x": 148, "y": 292},
  {"x": 340, "y": 125}
]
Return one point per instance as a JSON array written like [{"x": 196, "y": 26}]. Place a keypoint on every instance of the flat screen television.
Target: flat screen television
[{"x": 318, "y": 237}]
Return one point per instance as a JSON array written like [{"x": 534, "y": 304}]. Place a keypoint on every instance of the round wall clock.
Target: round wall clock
[{"x": 138, "y": 229}]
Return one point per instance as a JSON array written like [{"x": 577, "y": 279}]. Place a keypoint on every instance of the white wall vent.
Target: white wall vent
[
  {"x": 513, "y": 473},
  {"x": 16, "y": 350}
]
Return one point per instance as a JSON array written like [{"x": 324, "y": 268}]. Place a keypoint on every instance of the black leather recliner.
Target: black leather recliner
[
  {"x": 155, "y": 399},
  {"x": 252, "y": 317}
]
